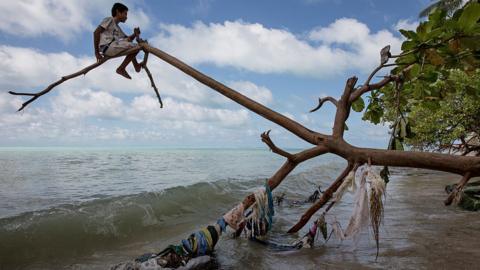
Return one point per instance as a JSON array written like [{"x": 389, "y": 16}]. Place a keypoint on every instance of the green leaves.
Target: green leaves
[
  {"x": 438, "y": 99},
  {"x": 470, "y": 16},
  {"x": 409, "y": 34},
  {"x": 358, "y": 105}
]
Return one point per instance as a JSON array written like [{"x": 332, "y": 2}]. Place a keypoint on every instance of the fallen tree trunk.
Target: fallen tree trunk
[{"x": 323, "y": 143}]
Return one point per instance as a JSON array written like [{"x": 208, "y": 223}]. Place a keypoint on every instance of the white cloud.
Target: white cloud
[
  {"x": 146, "y": 108},
  {"x": 406, "y": 24},
  {"x": 364, "y": 47},
  {"x": 32, "y": 70},
  {"x": 78, "y": 116},
  {"x": 62, "y": 19},
  {"x": 137, "y": 18},
  {"x": 34, "y": 18},
  {"x": 75, "y": 104},
  {"x": 260, "y": 94},
  {"x": 259, "y": 49},
  {"x": 188, "y": 104},
  {"x": 71, "y": 112},
  {"x": 24, "y": 67}
]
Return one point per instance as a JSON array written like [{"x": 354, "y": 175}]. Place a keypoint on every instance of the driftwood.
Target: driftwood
[{"x": 466, "y": 166}]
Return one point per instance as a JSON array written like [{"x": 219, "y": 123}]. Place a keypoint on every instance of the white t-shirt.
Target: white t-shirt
[{"x": 112, "y": 32}]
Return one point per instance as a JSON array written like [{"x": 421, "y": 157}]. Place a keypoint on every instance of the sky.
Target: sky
[{"x": 284, "y": 54}]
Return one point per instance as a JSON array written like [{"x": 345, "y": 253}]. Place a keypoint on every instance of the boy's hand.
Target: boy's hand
[
  {"x": 136, "y": 31},
  {"x": 98, "y": 56}
]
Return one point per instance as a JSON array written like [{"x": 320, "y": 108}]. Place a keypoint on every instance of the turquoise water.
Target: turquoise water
[
  {"x": 75, "y": 208},
  {"x": 38, "y": 178}
]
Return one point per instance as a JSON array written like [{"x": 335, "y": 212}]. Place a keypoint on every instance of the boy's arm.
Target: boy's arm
[
  {"x": 136, "y": 33},
  {"x": 96, "y": 42}
]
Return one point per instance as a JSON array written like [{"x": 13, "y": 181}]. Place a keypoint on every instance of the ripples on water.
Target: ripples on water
[{"x": 73, "y": 208}]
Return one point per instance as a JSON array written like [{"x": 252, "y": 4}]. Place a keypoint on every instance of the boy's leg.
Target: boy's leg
[{"x": 121, "y": 69}]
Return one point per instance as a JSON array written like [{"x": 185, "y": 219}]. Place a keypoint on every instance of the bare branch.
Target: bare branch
[
  {"x": 369, "y": 87},
  {"x": 411, "y": 159},
  {"x": 405, "y": 53},
  {"x": 266, "y": 139},
  {"x": 384, "y": 57},
  {"x": 323, "y": 100},
  {"x": 367, "y": 82},
  {"x": 398, "y": 64},
  {"x": 287, "y": 123},
  {"x": 366, "y": 88},
  {"x": 327, "y": 195},
  {"x": 286, "y": 168},
  {"x": 458, "y": 188},
  {"x": 152, "y": 82},
  {"x": 343, "y": 108},
  {"x": 84, "y": 71},
  {"x": 20, "y": 94}
]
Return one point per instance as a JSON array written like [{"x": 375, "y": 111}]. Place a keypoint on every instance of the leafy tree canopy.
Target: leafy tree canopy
[{"x": 435, "y": 103}]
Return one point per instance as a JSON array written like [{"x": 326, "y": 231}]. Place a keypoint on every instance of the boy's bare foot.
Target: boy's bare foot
[{"x": 124, "y": 73}]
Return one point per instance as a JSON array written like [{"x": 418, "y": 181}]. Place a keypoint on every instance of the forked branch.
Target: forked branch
[{"x": 266, "y": 139}]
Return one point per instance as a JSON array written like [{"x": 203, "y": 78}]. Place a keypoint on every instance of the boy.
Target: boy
[{"x": 110, "y": 40}]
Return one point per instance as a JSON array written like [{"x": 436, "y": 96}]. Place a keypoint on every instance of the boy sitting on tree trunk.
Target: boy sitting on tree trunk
[{"x": 110, "y": 40}]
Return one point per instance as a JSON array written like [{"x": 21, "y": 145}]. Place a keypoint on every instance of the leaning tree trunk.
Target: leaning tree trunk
[{"x": 466, "y": 166}]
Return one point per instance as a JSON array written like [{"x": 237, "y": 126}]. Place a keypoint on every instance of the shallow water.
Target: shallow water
[{"x": 89, "y": 209}]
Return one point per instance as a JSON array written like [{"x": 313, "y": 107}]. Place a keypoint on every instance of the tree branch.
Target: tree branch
[
  {"x": 367, "y": 82},
  {"x": 286, "y": 168},
  {"x": 266, "y": 139},
  {"x": 323, "y": 100},
  {"x": 369, "y": 87},
  {"x": 327, "y": 195},
  {"x": 152, "y": 82},
  {"x": 366, "y": 88},
  {"x": 343, "y": 108},
  {"x": 84, "y": 71},
  {"x": 458, "y": 188},
  {"x": 412, "y": 159},
  {"x": 289, "y": 124}
]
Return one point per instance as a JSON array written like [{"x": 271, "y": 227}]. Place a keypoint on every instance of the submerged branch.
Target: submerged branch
[
  {"x": 326, "y": 196},
  {"x": 286, "y": 168},
  {"x": 458, "y": 188}
]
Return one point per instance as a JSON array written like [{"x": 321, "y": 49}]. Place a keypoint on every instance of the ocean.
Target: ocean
[{"x": 90, "y": 208}]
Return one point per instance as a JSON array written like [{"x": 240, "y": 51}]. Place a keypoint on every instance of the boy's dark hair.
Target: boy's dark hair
[{"x": 118, "y": 7}]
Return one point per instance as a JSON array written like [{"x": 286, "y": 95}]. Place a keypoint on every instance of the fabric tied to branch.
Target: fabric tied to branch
[
  {"x": 234, "y": 216},
  {"x": 202, "y": 242},
  {"x": 260, "y": 220}
]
